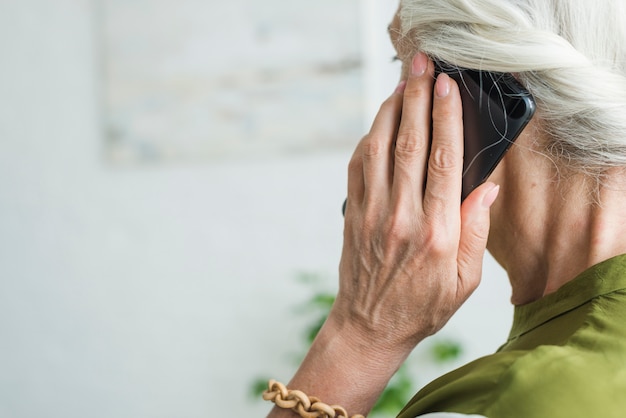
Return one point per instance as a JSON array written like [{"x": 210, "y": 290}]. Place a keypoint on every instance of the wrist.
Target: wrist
[
  {"x": 365, "y": 351},
  {"x": 347, "y": 365},
  {"x": 343, "y": 367},
  {"x": 371, "y": 335}
]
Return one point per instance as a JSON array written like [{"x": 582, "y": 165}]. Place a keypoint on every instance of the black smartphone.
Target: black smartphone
[{"x": 496, "y": 108}]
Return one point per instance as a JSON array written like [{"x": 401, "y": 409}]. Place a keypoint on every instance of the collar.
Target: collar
[{"x": 600, "y": 279}]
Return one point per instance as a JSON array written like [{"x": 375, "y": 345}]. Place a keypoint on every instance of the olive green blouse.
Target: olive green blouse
[{"x": 565, "y": 358}]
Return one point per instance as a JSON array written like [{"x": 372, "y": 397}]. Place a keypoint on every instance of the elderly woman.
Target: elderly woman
[{"x": 552, "y": 214}]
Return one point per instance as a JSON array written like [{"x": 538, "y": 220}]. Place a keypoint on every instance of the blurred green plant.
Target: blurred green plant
[{"x": 401, "y": 386}]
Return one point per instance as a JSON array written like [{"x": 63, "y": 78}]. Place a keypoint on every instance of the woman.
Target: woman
[{"x": 552, "y": 214}]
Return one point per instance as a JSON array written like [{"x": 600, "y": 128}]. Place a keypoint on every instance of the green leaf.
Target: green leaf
[
  {"x": 396, "y": 394},
  {"x": 308, "y": 277},
  {"x": 257, "y": 387},
  {"x": 313, "y": 329},
  {"x": 444, "y": 351},
  {"x": 323, "y": 300}
]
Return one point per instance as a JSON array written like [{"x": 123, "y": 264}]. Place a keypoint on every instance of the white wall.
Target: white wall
[{"x": 157, "y": 291}]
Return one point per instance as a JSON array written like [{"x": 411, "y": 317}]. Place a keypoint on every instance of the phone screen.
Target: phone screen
[{"x": 496, "y": 108}]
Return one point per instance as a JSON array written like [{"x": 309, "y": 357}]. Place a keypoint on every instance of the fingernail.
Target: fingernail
[
  {"x": 401, "y": 86},
  {"x": 442, "y": 86},
  {"x": 420, "y": 63},
  {"x": 491, "y": 196}
]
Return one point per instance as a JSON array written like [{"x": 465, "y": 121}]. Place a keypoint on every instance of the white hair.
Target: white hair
[{"x": 570, "y": 54}]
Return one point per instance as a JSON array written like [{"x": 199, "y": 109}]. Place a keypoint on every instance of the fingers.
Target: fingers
[
  {"x": 356, "y": 184},
  {"x": 377, "y": 147},
  {"x": 474, "y": 234},
  {"x": 369, "y": 171},
  {"x": 414, "y": 151},
  {"x": 445, "y": 165},
  {"x": 412, "y": 143}
]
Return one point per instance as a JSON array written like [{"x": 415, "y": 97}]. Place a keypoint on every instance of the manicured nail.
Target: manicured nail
[
  {"x": 442, "y": 86},
  {"x": 420, "y": 63},
  {"x": 401, "y": 86},
  {"x": 491, "y": 196}
]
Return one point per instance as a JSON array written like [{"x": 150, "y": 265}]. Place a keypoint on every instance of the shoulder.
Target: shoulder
[
  {"x": 561, "y": 381},
  {"x": 555, "y": 381}
]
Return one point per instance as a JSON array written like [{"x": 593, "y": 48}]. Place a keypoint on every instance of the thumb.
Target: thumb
[{"x": 474, "y": 233}]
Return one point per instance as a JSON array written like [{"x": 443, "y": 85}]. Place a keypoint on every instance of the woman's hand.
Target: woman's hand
[{"x": 412, "y": 253}]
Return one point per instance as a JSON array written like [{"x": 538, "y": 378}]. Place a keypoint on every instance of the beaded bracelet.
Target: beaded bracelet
[{"x": 299, "y": 402}]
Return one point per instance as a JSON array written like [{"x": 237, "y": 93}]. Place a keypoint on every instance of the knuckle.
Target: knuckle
[
  {"x": 355, "y": 166},
  {"x": 444, "y": 159},
  {"x": 372, "y": 147},
  {"x": 398, "y": 230},
  {"x": 410, "y": 141},
  {"x": 477, "y": 237},
  {"x": 419, "y": 90},
  {"x": 438, "y": 243}
]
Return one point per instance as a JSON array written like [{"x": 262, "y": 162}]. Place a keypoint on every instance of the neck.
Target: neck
[{"x": 546, "y": 245}]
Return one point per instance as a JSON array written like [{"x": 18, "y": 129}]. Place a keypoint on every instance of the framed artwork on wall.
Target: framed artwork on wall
[{"x": 200, "y": 80}]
